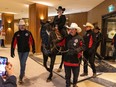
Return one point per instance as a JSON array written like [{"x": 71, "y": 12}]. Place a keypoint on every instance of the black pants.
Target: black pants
[
  {"x": 75, "y": 71},
  {"x": 2, "y": 43},
  {"x": 91, "y": 59},
  {"x": 97, "y": 54}
]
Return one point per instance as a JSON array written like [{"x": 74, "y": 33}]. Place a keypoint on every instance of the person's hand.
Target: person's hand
[
  {"x": 71, "y": 52},
  {"x": 9, "y": 69},
  {"x": 12, "y": 54}
]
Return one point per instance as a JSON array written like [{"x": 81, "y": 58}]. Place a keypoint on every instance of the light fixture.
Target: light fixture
[
  {"x": 9, "y": 24},
  {"x": 44, "y": 3}
]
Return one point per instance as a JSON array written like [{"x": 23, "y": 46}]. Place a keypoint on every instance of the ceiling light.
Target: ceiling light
[
  {"x": 26, "y": 5},
  {"x": 43, "y": 3},
  {"x": 10, "y": 12}
]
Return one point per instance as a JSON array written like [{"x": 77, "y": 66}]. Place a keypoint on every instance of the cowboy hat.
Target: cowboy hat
[
  {"x": 89, "y": 25},
  {"x": 21, "y": 22},
  {"x": 75, "y": 26},
  {"x": 60, "y": 8}
]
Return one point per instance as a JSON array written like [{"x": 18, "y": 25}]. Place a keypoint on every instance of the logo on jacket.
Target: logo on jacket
[
  {"x": 18, "y": 35},
  {"x": 26, "y": 34},
  {"x": 87, "y": 34},
  {"x": 75, "y": 42}
]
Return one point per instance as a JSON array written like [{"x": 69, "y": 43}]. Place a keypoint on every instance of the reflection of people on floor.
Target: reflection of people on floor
[
  {"x": 23, "y": 39},
  {"x": 74, "y": 47},
  {"x": 114, "y": 44},
  {"x": 99, "y": 39},
  {"x": 89, "y": 53},
  {"x": 10, "y": 78}
]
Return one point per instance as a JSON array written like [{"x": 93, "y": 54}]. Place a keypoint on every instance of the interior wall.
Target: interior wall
[
  {"x": 94, "y": 15},
  {"x": 79, "y": 18}
]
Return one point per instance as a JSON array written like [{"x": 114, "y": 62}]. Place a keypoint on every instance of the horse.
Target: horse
[{"x": 49, "y": 48}]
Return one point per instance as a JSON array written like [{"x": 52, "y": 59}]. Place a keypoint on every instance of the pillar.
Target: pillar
[
  {"x": 37, "y": 12},
  {"x": 8, "y": 26}
]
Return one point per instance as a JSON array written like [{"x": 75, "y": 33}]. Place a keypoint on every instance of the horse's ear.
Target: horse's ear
[{"x": 41, "y": 22}]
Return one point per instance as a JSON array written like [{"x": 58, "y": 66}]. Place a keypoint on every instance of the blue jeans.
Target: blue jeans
[
  {"x": 22, "y": 58},
  {"x": 75, "y": 71}
]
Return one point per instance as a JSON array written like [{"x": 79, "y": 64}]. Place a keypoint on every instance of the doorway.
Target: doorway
[{"x": 108, "y": 31}]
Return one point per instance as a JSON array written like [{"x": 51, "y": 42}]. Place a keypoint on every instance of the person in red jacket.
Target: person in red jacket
[
  {"x": 23, "y": 39},
  {"x": 89, "y": 53},
  {"x": 74, "y": 45}
]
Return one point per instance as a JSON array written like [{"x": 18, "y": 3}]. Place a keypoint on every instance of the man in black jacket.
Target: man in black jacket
[
  {"x": 99, "y": 39},
  {"x": 23, "y": 39},
  {"x": 90, "y": 43},
  {"x": 74, "y": 45},
  {"x": 10, "y": 79}
]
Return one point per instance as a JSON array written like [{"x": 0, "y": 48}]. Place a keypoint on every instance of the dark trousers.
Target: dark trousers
[
  {"x": 89, "y": 58},
  {"x": 2, "y": 43},
  {"x": 98, "y": 55},
  {"x": 75, "y": 71}
]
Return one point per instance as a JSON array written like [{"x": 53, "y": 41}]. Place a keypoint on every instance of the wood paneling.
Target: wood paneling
[
  {"x": 95, "y": 15},
  {"x": 9, "y": 32},
  {"x": 36, "y": 13},
  {"x": 79, "y": 18}
]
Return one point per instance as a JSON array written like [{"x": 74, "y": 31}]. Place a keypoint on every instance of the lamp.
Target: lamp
[{"x": 9, "y": 25}]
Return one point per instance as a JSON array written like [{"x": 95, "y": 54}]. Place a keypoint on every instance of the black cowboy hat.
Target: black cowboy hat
[
  {"x": 60, "y": 8},
  {"x": 97, "y": 28}
]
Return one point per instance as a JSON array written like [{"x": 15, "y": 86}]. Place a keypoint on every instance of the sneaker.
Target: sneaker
[
  {"x": 74, "y": 85},
  {"x": 84, "y": 74},
  {"x": 20, "y": 81}
]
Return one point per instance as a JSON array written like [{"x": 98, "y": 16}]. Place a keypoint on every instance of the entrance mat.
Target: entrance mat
[
  {"x": 104, "y": 82},
  {"x": 62, "y": 74},
  {"x": 103, "y": 66}
]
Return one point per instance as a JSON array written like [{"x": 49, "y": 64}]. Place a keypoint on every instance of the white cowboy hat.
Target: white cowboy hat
[
  {"x": 89, "y": 24},
  {"x": 22, "y": 22},
  {"x": 75, "y": 26}
]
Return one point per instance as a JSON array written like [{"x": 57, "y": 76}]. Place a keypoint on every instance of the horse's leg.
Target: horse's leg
[
  {"x": 53, "y": 57},
  {"x": 61, "y": 64},
  {"x": 45, "y": 59}
]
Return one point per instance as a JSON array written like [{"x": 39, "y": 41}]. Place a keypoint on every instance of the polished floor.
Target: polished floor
[{"x": 36, "y": 74}]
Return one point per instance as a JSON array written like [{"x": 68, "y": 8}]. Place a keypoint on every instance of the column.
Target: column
[
  {"x": 8, "y": 26},
  {"x": 37, "y": 12}
]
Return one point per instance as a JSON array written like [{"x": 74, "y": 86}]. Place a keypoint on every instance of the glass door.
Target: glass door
[{"x": 108, "y": 31}]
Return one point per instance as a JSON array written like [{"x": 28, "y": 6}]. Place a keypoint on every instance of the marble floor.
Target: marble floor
[{"x": 36, "y": 74}]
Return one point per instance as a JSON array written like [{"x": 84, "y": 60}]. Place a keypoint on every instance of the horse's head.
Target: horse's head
[{"x": 47, "y": 26}]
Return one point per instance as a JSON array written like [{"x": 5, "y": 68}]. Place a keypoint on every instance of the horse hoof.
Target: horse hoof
[
  {"x": 48, "y": 80},
  {"x": 59, "y": 70}
]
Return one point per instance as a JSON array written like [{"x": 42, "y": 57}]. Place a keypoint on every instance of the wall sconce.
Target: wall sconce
[
  {"x": 9, "y": 25},
  {"x": 41, "y": 18}
]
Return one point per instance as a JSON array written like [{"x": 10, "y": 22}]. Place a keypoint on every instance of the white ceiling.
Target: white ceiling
[{"x": 20, "y": 7}]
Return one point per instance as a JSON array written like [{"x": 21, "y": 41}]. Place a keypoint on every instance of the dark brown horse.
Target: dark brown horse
[{"x": 49, "y": 47}]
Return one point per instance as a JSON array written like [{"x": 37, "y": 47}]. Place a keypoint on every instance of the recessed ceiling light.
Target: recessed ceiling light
[
  {"x": 43, "y": 3},
  {"x": 26, "y": 5},
  {"x": 10, "y": 12}
]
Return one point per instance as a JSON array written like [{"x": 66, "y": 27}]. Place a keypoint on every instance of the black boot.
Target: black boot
[{"x": 84, "y": 74}]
